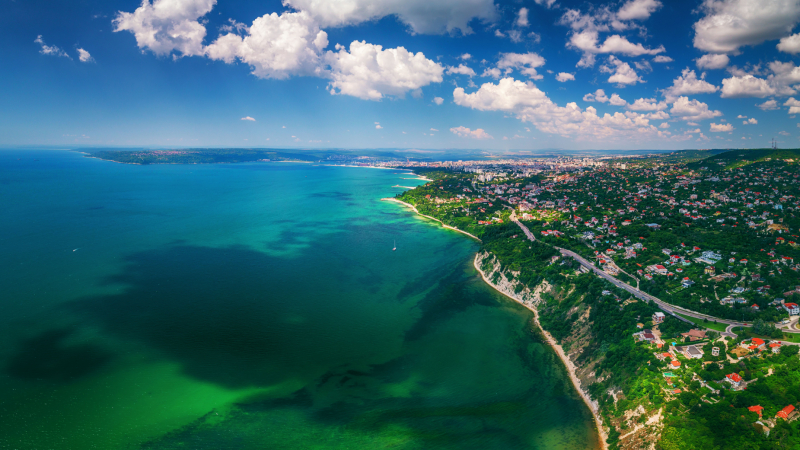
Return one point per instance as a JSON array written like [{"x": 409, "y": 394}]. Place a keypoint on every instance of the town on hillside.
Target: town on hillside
[{"x": 671, "y": 281}]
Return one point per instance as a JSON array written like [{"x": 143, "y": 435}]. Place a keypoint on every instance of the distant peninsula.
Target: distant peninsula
[{"x": 197, "y": 156}]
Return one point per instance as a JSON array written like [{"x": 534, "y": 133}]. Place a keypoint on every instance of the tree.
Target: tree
[{"x": 763, "y": 328}]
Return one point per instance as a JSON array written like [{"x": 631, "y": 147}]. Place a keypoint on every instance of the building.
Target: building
[
  {"x": 692, "y": 352},
  {"x": 710, "y": 270},
  {"x": 734, "y": 379},
  {"x": 792, "y": 308},
  {"x": 647, "y": 335},
  {"x": 775, "y": 346},
  {"x": 658, "y": 317},
  {"x": 715, "y": 351},
  {"x": 756, "y": 409},
  {"x": 787, "y": 412},
  {"x": 694, "y": 335}
]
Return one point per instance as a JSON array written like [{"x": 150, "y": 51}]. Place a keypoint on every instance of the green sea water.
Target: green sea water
[{"x": 255, "y": 306}]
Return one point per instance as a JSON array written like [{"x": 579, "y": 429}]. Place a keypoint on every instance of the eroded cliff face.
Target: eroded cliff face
[
  {"x": 639, "y": 427},
  {"x": 505, "y": 281}
]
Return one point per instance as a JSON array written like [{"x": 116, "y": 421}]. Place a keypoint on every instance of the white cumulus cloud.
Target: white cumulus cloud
[
  {"x": 691, "y": 110},
  {"x": 563, "y": 76},
  {"x": 616, "y": 100},
  {"x": 248, "y": 118},
  {"x": 529, "y": 104},
  {"x": 598, "y": 96},
  {"x": 638, "y": 9},
  {"x": 662, "y": 59},
  {"x": 790, "y": 44},
  {"x": 277, "y": 46},
  {"x": 729, "y": 25},
  {"x": 460, "y": 70},
  {"x": 712, "y": 61},
  {"x": 746, "y": 86},
  {"x": 522, "y": 17},
  {"x": 793, "y": 104},
  {"x": 587, "y": 41},
  {"x": 622, "y": 73},
  {"x": 84, "y": 56},
  {"x": 768, "y": 105},
  {"x": 647, "y": 104},
  {"x": 526, "y": 63},
  {"x": 438, "y": 100},
  {"x": 478, "y": 133},
  {"x": 688, "y": 84},
  {"x": 493, "y": 72},
  {"x": 164, "y": 26},
  {"x": 421, "y": 16},
  {"x": 719, "y": 128},
  {"x": 367, "y": 71}
]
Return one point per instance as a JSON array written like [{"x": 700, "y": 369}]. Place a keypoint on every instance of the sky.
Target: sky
[{"x": 428, "y": 74}]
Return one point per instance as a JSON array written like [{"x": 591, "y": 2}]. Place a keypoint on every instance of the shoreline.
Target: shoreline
[
  {"x": 429, "y": 217},
  {"x": 568, "y": 364}
]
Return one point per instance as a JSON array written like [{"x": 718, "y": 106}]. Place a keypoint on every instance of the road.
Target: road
[
  {"x": 666, "y": 307},
  {"x": 729, "y": 331}
]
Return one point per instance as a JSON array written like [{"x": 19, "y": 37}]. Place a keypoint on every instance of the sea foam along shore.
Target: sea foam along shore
[
  {"x": 429, "y": 217},
  {"x": 508, "y": 291}
]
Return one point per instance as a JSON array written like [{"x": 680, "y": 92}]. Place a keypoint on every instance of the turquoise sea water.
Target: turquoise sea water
[{"x": 255, "y": 306}]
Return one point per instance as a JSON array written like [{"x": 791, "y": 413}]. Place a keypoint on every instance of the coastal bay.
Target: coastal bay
[{"x": 260, "y": 305}]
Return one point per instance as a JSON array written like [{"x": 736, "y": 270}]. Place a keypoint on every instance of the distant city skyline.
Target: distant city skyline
[{"x": 467, "y": 74}]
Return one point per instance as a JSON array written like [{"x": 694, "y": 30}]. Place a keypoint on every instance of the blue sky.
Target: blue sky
[{"x": 490, "y": 74}]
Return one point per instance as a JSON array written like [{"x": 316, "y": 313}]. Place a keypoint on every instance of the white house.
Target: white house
[
  {"x": 692, "y": 352},
  {"x": 792, "y": 308},
  {"x": 658, "y": 317}
]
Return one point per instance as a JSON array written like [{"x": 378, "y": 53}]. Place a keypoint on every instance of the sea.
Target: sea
[{"x": 256, "y": 306}]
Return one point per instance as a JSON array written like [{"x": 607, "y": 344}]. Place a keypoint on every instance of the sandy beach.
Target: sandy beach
[
  {"x": 429, "y": 217},
  {"x": 560, "y": 352}
]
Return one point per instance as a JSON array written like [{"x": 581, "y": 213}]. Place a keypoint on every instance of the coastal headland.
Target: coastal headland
[
  {"x": 429, "y": 217},
  {"x": 529, "y": 301}
]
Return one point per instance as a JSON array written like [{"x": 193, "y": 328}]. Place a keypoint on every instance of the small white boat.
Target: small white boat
[{"x": 395, "y": 246}]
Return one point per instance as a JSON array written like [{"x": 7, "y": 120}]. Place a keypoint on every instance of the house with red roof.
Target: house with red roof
[
  {"x": 756, "y": 409},
  {"x": 734, "y": 379},
  {"x": 775, "y": 346},
  {"x": 646, "y": 335},
  {"x": 792, "y": 308},
  {"x": 787, "y": 413},
  {"x": 658, "y": 269}
]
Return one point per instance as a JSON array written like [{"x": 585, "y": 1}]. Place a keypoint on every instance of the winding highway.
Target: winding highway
[{"x": 666, "y": 307}]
